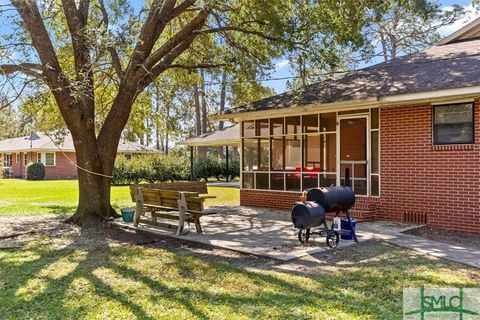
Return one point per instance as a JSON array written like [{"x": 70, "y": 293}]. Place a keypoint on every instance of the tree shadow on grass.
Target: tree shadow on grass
[
  {"x": 193, "y": 283},
  {"x": 60, "y": 209}
]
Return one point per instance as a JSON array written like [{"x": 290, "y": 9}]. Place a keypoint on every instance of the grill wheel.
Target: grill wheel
[
  {"x": 303, "y": 235},
  {"x": 332, "y": 238}
]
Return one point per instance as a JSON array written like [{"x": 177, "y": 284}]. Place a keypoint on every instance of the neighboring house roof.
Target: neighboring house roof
[
  {"x": 228, "y": 136},
  {"x": 469, "y": 31},
  {"x": 448, "y": 66},
  {"x": 41, "y": 142}
]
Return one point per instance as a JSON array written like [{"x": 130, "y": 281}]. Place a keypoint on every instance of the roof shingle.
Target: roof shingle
[{"x": 450, "y": 66}]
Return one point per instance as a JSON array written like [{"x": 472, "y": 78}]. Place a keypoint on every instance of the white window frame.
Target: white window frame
[
  {"x": 25, "y": 162},
  {"x": 42, "y": 157},
  {"x": 17, "y": 157},
  {"x": 5, "y": 157}
]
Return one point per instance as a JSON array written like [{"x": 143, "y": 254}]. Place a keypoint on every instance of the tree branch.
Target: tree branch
[
  {"x": 182, "y": 7},
  {"x": 52, "y": 72},
  {"x": 113, "y": 52},
  {"x": 196, "y": 66},
  {"x": 193, "y": 25},
  {"x": 26, "y": 68},
  {"x": 41, "y": 41},
  {"x": 242, "y": 30}
]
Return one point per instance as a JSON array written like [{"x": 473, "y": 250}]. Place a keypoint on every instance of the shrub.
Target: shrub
[
  {"x": 35, "y": 171},
  {"x": 151, "y": 168},
  {"x": 176, "y": 166},
  {"x": 233, "y": 168},
  {"x": 120, "y": 171},
  {"x": 208, "y": 166}
]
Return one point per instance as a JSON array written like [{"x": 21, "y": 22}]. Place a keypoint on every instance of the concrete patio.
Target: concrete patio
[{"x": 270, "y": 233}]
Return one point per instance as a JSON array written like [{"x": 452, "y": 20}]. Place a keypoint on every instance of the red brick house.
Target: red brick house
[
  {"x": 408, "y": 130},
  {"x": 59, "y": 159}
]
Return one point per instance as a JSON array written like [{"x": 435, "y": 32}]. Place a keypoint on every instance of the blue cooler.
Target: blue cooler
[
  {"x": 346, "y": 226},
  {"x": 127, "y": 214}
]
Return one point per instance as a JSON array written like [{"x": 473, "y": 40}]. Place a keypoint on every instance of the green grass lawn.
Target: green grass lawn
[
  {"x": 134, "y": 282},
  {"x": 67, "y": 273},
  {"x": 21, "y": 197}
]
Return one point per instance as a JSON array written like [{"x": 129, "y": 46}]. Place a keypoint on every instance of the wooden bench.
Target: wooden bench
[
  {"x": 167, "y": 204},
  {"x": 188, "y": 186}
]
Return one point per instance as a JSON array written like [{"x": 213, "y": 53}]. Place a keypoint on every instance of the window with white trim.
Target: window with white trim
[
  {"x": 17, "y": 157},
  {"x": 47, "y": 158},
  {"x": 25, "y": 160},
  {"x": 7, "y": 160}
]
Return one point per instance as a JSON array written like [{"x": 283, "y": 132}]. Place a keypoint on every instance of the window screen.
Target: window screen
[{"x": 453, "y": 124}]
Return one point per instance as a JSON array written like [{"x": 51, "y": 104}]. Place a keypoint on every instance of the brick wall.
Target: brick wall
[
  {"x": 441, "y": 181},
  {"x": 364, "y": 209},
  {"x": 268, "y": 199},
  {"x": 63, "y": 168}
]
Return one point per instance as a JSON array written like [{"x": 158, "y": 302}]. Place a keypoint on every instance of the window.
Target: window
[
  {"x": 47, "y": 158},
  {"x": 25, "y": 159},
  {"x": 7, "y": 160},
  {"x": 17, "y": 157},
  {"x": 453, "y": 124}
]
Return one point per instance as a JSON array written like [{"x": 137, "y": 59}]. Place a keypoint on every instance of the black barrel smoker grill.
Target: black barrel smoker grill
[{"x": 320, "y": 201}]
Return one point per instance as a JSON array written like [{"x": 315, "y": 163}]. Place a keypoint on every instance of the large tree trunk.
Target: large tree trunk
[
  {"x": 94, "y": 199},
  {"x": 94, "y": 187}
]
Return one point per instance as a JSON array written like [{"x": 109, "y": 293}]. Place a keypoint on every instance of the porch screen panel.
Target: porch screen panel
[
  {"x": 248, "y": 180},
  {"x": 277, "y": 181},
  {"x": 328, "y": 152},
  {"x": 289, "y": 153},
  {"x": 263, "y": 154},
  {"x": 292, "y": 153},
  {"x": 311, "y": 151},
  {"x": 248, "y": 129},
  {"x": 262, "y": 128},
  {"x": 292, "y": 125},
  {"x": 277, "y": 153},
  {"x": 261, "y": 180},
  {"x": 250, "y": 154},
  {"x": 375, "y": 152},
  {"x": 277, "y": 126},
  {"x": 328, "y": 122}
]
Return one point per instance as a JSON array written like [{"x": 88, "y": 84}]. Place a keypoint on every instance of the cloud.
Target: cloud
[
  {"x": 281, "y": 64},
  {"x": 472, "y": 14}
]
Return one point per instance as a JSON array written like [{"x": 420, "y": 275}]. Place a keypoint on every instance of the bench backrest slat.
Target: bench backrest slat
[
  {"x": 189, "y": 186},
  {"x": 168, "y": 198}
]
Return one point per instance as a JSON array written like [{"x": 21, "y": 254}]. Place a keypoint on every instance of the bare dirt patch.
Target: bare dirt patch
[{"x": 461, "y": 239}]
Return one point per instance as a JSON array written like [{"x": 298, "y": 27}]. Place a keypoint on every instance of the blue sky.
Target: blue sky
[
  {"x": 282, "y": 66},
  {"x": 283, "y": 69}
]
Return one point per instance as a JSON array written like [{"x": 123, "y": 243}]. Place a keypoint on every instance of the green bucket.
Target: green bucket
[{"x": 127, "y": 214}]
